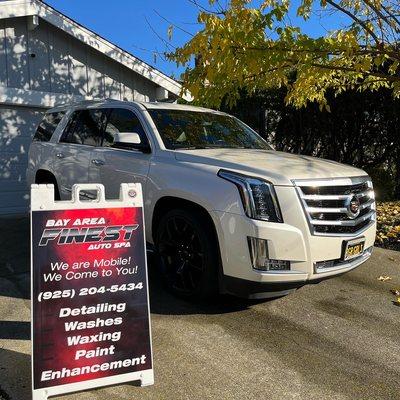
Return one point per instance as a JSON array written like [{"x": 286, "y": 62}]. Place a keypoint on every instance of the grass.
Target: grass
[{"x": 388, "y": 225}]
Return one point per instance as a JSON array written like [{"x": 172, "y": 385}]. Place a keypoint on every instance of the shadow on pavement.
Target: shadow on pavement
[
  {"x": 14, "y": 239},
  {"x": 164, "y": 303},
  {"x": 15, "y": 375},
  {"x": 15, "y": 330}
]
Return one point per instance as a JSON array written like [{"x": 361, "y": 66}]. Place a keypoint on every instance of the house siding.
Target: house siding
[{"x": 47, "y": 59}]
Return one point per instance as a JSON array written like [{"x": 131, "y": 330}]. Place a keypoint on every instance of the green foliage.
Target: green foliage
[{"x": 256, "y": 48}]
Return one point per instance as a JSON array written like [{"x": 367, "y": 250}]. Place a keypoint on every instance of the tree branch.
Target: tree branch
[
  {"x": 378, "y": 12},
  {"x": 393, "y": 16},
  {"x": 172, "y": 24},
  {"x": 354, "y": 18},
  {"x": 390, "y": 78},
  {"x": 167, "y": 45},
  {"x": 202, "y": 8},
  {"x": 365, "y": 51}
]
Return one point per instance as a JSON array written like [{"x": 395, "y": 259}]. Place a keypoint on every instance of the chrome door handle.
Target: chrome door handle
[
  {"x": 60, "y": 155},
  {"x": 97, "y": 162}
]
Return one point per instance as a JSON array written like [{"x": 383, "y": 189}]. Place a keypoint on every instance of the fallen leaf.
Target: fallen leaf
[
  {"x": 396, "y": 292},
  {"x": 384, "y": 278}
]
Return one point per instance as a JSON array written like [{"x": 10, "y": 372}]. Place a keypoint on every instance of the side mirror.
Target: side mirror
[
  {"x": 126, "y": 138},
  {"x": 130, "y": 140}
]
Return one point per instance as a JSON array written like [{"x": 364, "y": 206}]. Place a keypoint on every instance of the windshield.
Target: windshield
[{"x": 180, "y": 129}]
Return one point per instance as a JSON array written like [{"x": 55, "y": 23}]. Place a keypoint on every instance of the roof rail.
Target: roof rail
[{"x": 83, "y": 102}]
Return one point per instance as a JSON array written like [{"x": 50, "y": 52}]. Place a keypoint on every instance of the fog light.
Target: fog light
[
  {"x": 260, "y": 259},
  {"x": 322, "y": 265}
]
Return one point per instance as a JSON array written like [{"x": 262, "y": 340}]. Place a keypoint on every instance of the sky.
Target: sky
[{"x": 140, "y": 26}]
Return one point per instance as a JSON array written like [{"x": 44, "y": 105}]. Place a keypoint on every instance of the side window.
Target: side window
[
  {"x": 85, "y": 127},
  {"x": 48, "y": 126},
  {"x": 122, "y": 120}
]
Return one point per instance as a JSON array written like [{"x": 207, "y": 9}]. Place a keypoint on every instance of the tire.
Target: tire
[{"x": 188, "y": 254}]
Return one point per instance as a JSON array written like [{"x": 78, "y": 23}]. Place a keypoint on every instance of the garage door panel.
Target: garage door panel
[
  {"x": 16, "y": 173},
  {"x": 10, "y": 199},
  {"x": 7, "y": 135},
  {"x": 14, "y": 185},
  {"x": 17, "y": 126},
  {"x": 18, "y": 121},
  {"x": 5, "y": 156},
  {"x": 14, "y": 210},
  {"x": 19, "y": 146},
  {"x": 14, "y": 159}
]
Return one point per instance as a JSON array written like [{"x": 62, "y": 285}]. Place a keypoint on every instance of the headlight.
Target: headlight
[{"x": 258, "y": 196}]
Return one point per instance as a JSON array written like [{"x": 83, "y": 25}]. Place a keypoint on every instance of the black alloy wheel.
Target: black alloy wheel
[{"x": 189, "y": 257}]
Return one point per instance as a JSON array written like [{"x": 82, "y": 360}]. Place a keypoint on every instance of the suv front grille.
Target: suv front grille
[{"x": 337, "y": 206}]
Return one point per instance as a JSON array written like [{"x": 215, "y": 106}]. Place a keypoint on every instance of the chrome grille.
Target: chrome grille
[{"x": 329, "y": 205}]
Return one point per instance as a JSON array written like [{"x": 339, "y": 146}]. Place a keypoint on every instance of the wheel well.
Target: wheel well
[
  {"x": 165, "y": 204},
  {"x": 43, "y": 176}
]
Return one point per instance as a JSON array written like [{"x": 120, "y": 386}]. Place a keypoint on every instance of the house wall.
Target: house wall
[{"x": 47, "y": 59}]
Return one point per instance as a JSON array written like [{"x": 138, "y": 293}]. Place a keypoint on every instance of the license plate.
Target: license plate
[{"x": 353, "y": 248}]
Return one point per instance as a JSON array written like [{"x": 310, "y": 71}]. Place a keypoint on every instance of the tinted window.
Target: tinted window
[
  {"x": 47, "y": 127},
  {"x": 198, "y": 130},
  {"x": 85, "y": 127},
  {"x": 122, "y": 120}
]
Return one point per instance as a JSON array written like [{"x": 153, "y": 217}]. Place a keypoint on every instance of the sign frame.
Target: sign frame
[{"x": 42, "y": 199}]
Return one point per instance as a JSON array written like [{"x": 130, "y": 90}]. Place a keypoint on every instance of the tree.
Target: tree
[
  {"x": 362, "y": 129},
  {"x": 244, "y": 47}
]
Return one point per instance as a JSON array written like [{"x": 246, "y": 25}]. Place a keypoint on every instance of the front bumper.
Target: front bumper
[
  {"x": 290, "y": 241},
  {"x": 266, "y": 289}
]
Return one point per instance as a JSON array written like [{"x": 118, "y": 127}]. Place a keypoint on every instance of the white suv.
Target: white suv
[{"x": 223, "y": 209}]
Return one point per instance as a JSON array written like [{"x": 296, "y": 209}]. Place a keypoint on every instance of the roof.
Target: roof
[{"x": 22, "y": 8}]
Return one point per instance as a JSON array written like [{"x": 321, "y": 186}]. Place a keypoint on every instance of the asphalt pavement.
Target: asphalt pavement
[{"x": 339, "y": 339}]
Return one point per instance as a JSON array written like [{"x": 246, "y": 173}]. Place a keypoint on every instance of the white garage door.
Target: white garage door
[{"x": 17, "y": 126}]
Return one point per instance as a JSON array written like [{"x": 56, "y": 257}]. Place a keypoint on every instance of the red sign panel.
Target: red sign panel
[{"x": 89, "y": 293}]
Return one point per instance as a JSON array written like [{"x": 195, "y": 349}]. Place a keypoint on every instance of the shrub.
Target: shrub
[{"x": 388, "y": 225}]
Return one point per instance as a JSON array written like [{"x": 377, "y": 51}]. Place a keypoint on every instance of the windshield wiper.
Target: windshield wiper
[
  {"x": 217, "y": 147},
  {"x": 192, "y": 148}
]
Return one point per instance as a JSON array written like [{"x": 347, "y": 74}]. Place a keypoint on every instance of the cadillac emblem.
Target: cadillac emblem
[{"x": 353, "y": 207}]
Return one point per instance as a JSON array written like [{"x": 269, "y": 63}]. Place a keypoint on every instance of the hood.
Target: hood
[{"x": 277, "y": 167}]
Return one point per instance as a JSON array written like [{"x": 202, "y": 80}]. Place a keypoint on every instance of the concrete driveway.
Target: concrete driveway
[{"x": 339, "y": 339}]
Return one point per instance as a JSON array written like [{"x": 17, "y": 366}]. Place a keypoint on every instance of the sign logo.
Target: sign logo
[{"x": 353, "y": 207}]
